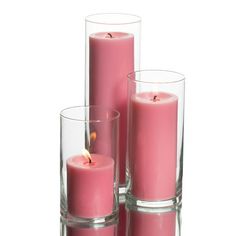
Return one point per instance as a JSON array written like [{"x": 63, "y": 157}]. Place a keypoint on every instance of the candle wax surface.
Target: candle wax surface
[
  {"x": 155, "y": 98},
  {"x": 97, "y": 162},
  {"x": 111, "y": 35}
]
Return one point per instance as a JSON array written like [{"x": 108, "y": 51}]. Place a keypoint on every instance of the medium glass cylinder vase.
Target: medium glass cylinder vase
[
  {"x": 89, "y": 164},
  {"x": 112, "y": 51},
  {"x": 155, "y": 138}
]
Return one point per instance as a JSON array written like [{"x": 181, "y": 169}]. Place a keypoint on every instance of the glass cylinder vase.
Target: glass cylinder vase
[
  {"x": 155, "y": 138},
  {"x": 112, "y": 51},
  {"x": 89, "y": 164}
]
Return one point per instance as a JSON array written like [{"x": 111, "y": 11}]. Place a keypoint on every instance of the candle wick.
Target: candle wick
[
  {"x": 87, "y": 155},
  {"x": 155, "y": 98},
  {"x": 109, "y": 35}
]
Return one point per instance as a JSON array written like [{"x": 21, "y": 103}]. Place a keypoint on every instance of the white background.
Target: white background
[{"x": 42, "y": 71}]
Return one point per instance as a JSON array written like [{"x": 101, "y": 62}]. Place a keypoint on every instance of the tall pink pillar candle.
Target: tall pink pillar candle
[
  {"x": 90, "y": 186},
  {"x": 153, "y": 145},
  {"x": 151, "y": 224},
  {"x": 111, "y": 59}
]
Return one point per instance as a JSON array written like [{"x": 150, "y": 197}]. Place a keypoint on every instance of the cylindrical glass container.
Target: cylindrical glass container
[
  {"x": 162, "y": 221},
  {"x": 89, "y": 164},
  {"x": 155, "y": 138},
  {"x": 112, "y": 51}
]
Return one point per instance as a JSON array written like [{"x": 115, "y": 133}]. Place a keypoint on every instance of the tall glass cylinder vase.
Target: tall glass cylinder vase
[
  {"x": 89, "y": 164},
  {"x": 155, "y": 138},
  {"x": 112, "y": 51}
]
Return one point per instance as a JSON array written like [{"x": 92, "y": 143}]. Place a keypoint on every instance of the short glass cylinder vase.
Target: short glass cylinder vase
[
  {"x": 155, "y": 138},
  {"x": 112, "y": 51},
  {"x": 89, "y": 164}
]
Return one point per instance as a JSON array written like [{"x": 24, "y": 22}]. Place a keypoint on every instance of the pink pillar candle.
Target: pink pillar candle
[
  {"x": 151, "y": 224},
  {"x": 111, "y": 59},
  {"x": 90, "y": 186},
  {"x": 153, "y": 145}
]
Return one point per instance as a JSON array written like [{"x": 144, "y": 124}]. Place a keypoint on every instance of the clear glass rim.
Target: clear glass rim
[
  {"x": 115, "y": 114},
  {"x": 94, "y": 18},
  {"x": 178, "y": 78}
]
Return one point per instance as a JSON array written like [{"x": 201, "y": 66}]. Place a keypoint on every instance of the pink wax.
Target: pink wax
[
  {"x": 90, "y": 186},
  {"x": 104, "y": 231},
  {"x": 111, "y": 59},
  {"x": 151, "y": 224},
  {"x": 153, "y": 145},
  {"x": 122, "y": 220}
]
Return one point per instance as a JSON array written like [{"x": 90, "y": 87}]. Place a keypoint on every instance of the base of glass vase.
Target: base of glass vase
[
  {"x": 72, "y": 221},
  {"x": 122, "y": 189},
  {"x": 165, "y": 203}
]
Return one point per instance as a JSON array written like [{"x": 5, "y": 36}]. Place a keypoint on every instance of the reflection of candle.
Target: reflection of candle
[
  {"x": 90, "y": 185},
  {"x": 111, "y": 59},
  {"x": 152, "y": 145},
  {"x": 104, "y": 231},
  {"x": 151, "y": 224},
  {"x": 122, "y": 220}
]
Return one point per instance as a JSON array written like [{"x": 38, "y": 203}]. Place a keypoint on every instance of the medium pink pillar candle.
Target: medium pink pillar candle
[
  {"x": 104, "y": 231},
  {"x": 90, "y": 186},
  {"x": 111, "y": 59},
  {"x": 151, "y": 224},
  {"x": 153, "y": 145}
]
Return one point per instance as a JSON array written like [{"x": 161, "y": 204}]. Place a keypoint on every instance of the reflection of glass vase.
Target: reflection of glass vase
[
  {"x": 112, "y": 51},
  {"x": 155, "y": 138},
  {"x": 89, "y": 164},
  {"x": 92, "y": 230},
  {"x": 122, "y": 217},
  {"x": 153, "y": 223}
]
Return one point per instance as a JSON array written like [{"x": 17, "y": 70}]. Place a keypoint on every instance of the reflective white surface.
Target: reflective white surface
[{"x": 42, "y": 71}]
